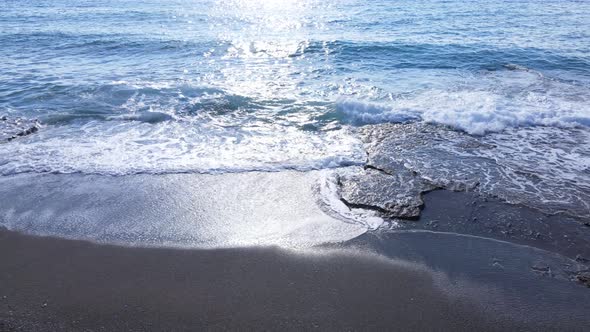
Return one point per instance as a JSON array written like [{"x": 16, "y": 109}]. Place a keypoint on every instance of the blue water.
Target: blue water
[{"x": 158, "y": 86}]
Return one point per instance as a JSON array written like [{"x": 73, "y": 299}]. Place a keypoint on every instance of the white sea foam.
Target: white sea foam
[
  {"x": 128, "y": 147},
  {"x": 327, "y": 193},
  {"x": 476, "y": 112},
  {"x": 485, "y": 103}
]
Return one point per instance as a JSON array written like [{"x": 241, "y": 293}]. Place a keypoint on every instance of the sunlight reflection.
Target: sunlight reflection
[{"x": 266, "y": 42}]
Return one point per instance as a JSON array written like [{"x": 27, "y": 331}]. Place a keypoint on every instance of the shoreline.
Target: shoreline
[{"x": 467, "y": 263}]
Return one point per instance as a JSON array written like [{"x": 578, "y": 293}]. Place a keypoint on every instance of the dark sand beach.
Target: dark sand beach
[
  {"x": 422, "y": 276},
  {"x": 50, "y": 284}
]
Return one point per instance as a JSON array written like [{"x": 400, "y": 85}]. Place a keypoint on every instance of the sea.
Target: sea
[{"x": 121, "y": 87}]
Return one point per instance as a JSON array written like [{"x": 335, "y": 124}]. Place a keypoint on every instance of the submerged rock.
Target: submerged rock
[{"x": 17, "y": 127}]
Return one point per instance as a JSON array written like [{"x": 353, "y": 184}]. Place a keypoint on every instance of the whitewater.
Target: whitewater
[{"x": 121, "y": 88}]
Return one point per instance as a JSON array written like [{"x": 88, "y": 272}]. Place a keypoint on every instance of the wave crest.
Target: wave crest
[{"x": 475, "y": 112}]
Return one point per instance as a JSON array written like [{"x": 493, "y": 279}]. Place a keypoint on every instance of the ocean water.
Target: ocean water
[{"x": 126, "y": 87}]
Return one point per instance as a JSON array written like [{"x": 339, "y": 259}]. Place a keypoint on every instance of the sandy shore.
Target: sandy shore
[
  {"x": 49, "y": 284},
  {"x": 467, "y": 264},
  {"x": 52, "y": 284}
]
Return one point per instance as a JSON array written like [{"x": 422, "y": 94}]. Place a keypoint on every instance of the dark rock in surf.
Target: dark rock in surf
[
  {"x": 396, "y": 194},
  {"x": 456, "y": 161},
  {"x": 14, "y": 128},
  {"x": 584, "y": 278}
]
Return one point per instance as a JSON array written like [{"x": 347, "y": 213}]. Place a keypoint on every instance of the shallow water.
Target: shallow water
[
  {"x": 122, "y": 87},
  {"x": 175, "y": 210}
]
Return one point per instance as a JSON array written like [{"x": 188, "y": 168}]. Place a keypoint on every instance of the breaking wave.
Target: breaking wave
[
  {"x": 475, "y": 112},
  {"x": 131, "y": 147}
]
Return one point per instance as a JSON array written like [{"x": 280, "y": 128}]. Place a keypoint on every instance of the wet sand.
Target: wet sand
[
  {"x": 173, "y": 210},
  {"x": 50, "y": 284}
]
